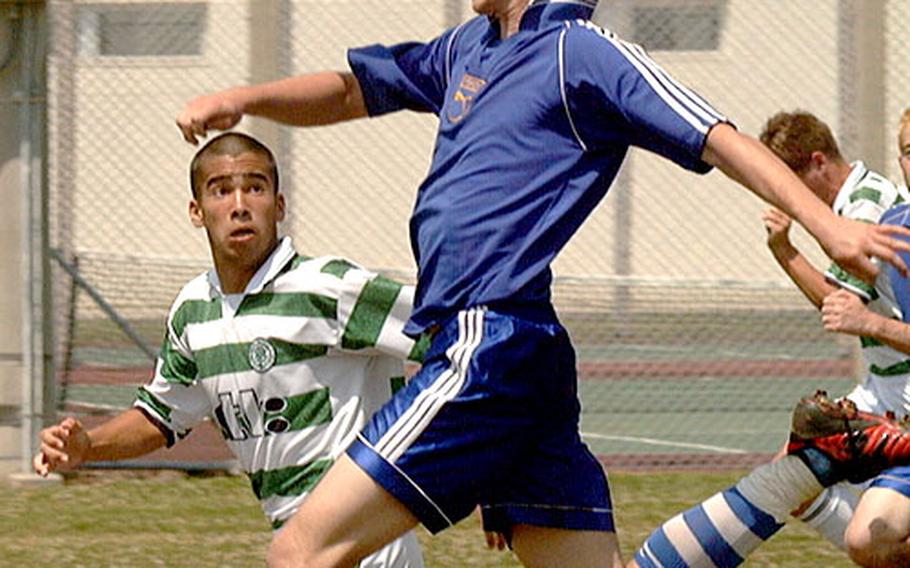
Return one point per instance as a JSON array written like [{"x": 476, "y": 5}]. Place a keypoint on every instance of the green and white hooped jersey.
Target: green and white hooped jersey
[
  {"x": 886, "y": 385},
  {"x": 865, "y": 196},
  {"x": 290, "y": 370}
]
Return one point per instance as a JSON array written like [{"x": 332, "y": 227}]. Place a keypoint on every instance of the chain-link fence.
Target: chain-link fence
[{"x": 692, "y": 344}]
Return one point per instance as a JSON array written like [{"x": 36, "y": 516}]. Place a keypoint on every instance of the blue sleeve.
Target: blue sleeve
[
  {"x": 615, "y": 93},
  {"x": 409, "y": 76},
  {"x": 899, "y": 215},
  {"x": 901, "y": 287}
]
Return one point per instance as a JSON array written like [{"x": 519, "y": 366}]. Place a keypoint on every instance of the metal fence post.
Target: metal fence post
[{"x": 38, "y": 383}]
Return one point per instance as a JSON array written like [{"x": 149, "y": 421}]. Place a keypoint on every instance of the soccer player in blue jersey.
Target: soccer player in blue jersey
[{"x": 537, "y": 108}]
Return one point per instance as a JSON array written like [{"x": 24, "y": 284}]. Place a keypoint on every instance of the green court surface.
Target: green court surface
[
  {"x": 712, "y": 351},
  {"x": 102, "y": 397},
  {"x": 713, "y": 415}
]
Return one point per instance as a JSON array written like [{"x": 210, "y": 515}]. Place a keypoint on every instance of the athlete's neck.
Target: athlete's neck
[
  {"x": 235, "y": 274},
  {"x": 840, "y": 171},
  {"x": 510, "y": 18}
]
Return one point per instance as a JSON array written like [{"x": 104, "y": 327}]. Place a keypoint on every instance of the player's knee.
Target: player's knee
[
  {"x": 285, "y": 552},
  {"x": 282, "y": 552},
  {"x": 861, "y": 543},
  {"x": 857, "y": 540},
  {"x": 288, "y": 550}
]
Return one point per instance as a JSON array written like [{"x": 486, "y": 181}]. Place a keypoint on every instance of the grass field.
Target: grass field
[{"x": 170, "y": 519}]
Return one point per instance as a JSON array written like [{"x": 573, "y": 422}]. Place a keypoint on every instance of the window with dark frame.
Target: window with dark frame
[
  {"x": 150, "y": 29},
  {"x": 678, "y": 27}
]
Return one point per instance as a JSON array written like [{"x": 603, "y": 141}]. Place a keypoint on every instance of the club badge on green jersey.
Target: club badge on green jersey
[{"x": 261, "y": 355}]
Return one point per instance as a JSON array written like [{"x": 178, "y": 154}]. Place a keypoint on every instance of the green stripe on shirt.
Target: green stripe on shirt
[
  {"x": 150, "y": 400},
  {"x": 421, "y": 346},
  {"x": 867, "y": 193},
  {"x": 175, "y": 368},
  {"x": 195, "y": 311},
  {"x": 298, "y": 412},
  {"x": 288, "y": 304},
  {"x": 845, "y": 278},
  {"x": 337, "y": 268},
  {"x": 235, "y": 357},
  {"x": 901, "y": 368},
  {"x": 288, "y": 481},
  {"x": 370, "y": 313}
]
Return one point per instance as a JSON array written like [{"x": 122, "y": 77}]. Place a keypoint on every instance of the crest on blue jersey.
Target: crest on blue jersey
[{"x": 464, "y": 97}]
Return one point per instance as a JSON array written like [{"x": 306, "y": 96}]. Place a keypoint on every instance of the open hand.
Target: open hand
[{"x": 855, "y": 243}]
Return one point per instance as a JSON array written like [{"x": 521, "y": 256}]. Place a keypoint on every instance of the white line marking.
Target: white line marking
[{"x": 654, "y": 442}]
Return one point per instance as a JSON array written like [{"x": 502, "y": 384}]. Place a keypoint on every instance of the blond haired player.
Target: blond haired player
[{"x": 903, "y": 145}]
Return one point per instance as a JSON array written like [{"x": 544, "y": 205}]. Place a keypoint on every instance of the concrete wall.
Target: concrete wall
[
  {"x": 10, "y": 255},
  {"x": 15, "y": 30},
  {"x": 118, "y": 165},
  {"x": 351, "y": 187}
]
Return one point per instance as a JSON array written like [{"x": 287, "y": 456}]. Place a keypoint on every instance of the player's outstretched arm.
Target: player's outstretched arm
[
  {"x": 305, "y": 100},
  {"x": 67, "y": 445},
  {"x": 849, "y": 243},
  {"x": 807, "y": 278}
]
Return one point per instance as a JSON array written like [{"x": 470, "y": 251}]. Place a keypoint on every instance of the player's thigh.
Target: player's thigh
[
  {"x": 345, "y": 518},
  {"x": 566, "y": 548},
  {"x": 882, "y": 516}
]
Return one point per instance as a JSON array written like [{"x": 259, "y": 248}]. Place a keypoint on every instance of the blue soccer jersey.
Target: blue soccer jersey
[
  {"x": 532, "y": 131},
  {"x": 899, "y": 215}
]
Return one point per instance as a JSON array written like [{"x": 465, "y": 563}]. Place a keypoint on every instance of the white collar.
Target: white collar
[
  {"x": 267, "y": 272},
  {"x": 857, "y": 172}
]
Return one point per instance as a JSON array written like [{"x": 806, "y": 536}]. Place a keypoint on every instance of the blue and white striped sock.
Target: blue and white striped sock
[
  {"x": 719, "y": 533},
  {"x": 724, "y": 530}
]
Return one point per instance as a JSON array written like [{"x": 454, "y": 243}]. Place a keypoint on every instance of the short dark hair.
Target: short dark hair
[
  {"x": 230, "y": 144},
  {"x": 794, "y": 136}
]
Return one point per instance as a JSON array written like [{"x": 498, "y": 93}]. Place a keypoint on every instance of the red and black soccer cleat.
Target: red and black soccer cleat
[{"x": 837, "y": 442}]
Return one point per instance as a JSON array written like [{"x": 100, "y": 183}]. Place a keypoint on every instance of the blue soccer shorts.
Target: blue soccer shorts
[
  {"x": 492, "y": 419},
  {"x": 896, "y": 479}
]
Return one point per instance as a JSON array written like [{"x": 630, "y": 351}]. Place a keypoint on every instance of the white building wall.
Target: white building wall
[{"x": 351, "y": 187}]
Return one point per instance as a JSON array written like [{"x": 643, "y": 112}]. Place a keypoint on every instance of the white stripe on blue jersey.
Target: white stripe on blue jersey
[
  {"x": 562, "y": 87},
  {"x": 668, "y": 89},
  {"x": 709, "y": 114},
  {"x": 449, "y": 52}
]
